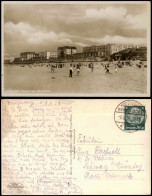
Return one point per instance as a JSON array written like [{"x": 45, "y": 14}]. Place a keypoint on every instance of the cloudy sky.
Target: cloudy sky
[{"x": 42, "y": 27}]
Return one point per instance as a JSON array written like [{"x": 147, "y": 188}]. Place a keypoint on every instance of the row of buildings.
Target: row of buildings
[
  {"x": 70, "y": 52},
  {"x": 62, "y": 53},
  {"x": 102, "y": 51},
  {"x": 38, "y": 56}
]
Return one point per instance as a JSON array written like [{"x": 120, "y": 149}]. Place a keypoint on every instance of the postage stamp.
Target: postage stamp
[
  {"x": 134, "y": 118},
  {"x": 130, "y": 116}
]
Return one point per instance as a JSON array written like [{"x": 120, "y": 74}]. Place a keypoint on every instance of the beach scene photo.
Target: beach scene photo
[{"x": 76, "y": 48}]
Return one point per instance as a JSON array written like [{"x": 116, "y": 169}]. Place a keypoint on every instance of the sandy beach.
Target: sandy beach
[{"x": 131, "y": 80}]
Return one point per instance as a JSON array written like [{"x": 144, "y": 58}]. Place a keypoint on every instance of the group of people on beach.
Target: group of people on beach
[
  {"x": 71, "y": 70},
  {"x": 78, "y": 66},
  {"x": 91, "y": 65},
  {"x": 107, "y": 68}
]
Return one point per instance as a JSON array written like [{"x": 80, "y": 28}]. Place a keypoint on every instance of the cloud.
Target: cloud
[
  {"x": 118, "y": 14},
  {"x": 20, "y": 28},
  {"x": 34, "y": 36},
  {"x": 81, "y": 44},
  {"x": 47, "y": 26},
  {"x": 106, "y": 13},
  {"x": 137, "y": 22},
  {"x": 66, "y": 40},
  {"x": 118, "y": 40}
]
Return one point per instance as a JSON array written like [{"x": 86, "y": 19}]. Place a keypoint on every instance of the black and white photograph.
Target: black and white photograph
[{"x": 75, "y": 48}]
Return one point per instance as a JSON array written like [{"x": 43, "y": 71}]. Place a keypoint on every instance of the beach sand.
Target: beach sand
[{"x": 130, "y": 80}]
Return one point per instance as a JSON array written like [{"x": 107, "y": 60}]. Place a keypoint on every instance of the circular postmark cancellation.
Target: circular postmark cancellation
[{"x": 130, "y": 116}]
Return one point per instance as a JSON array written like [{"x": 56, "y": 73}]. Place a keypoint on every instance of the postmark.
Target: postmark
[{"x": 130, "y": 116}]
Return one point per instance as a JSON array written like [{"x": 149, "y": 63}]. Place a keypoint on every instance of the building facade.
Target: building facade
[
  {"x": 47, "y": 54},
  {"x": 102, "y": 51},
  {"x": 108, "y": 49},
  {"x": 44, "y": 55},
  {"x": 54, "y": 54},
  {"x": 105, "y": 50},
  {"x": 66, "y": 51},
  {"x": 27, "y": 55}
]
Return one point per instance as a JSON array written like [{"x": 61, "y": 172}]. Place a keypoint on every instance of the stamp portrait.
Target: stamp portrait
[
  {"x": 130, "y": 116},
  {"x": 134, "y": 118}
]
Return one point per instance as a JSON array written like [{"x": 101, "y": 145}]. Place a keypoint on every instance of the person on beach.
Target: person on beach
[
  {"x": 78, "y": 69},
  {"x": 107, "y": 69},
  {"x": 116, "y": 68},
  {"x": 52, "y": 68},
  {"x": 70, "y": 71},
  {"x": 92, "y": 67}
]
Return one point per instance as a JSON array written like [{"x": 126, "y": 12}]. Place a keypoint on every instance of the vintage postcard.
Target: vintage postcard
[
  {"x": 76, "y": 48},
  {"x": 76, "y": 147}
]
